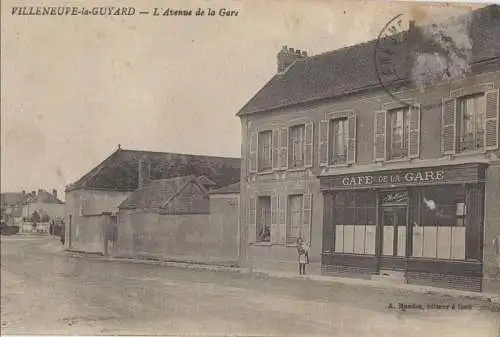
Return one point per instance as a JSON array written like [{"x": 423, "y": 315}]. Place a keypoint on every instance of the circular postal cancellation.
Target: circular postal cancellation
[{"x": 409, "y": 56}]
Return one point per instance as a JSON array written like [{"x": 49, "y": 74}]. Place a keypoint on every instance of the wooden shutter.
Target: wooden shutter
[
  {"x": 252, "y": 219},
  {"x": 282, "y": 218},
  {"x": 308, "y": 144},
  {"x": 284, "y": 148},
  {"x": 274, "y": 219},
  {"x": 276, "y": 148},
  {"x": 306, "y": 215},
  {"x": 351, "y": 146},
  {"x": 323, "y": 142},
  {"x": 380, "y": 145},
  {"x": 414, "y": 132},
  {"x": 254, "y": 139},
  {"x": 449, "y": 126},
  {"x": 492, "y": 116}
]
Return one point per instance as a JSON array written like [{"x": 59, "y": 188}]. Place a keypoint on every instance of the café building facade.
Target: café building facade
[{"x": 421, "y": 225}]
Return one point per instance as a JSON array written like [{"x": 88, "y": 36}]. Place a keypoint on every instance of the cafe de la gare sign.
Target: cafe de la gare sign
[
  {"x": 424, "y": 176},
  {"x": 469, "y": 173}
]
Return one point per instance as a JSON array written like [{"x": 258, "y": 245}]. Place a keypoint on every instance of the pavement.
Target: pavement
[{"x": 48, "y": 291}]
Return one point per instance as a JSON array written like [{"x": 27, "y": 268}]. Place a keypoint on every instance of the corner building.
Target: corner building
[{"x": 399, "y": 183}]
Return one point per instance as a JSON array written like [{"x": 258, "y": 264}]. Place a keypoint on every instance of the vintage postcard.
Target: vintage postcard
[{"x": 250, "y": 168}]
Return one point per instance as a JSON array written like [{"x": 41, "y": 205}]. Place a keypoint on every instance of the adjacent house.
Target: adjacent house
[
  {"x": 127, "y": 178},
  {"x": 386, "y": 177}
]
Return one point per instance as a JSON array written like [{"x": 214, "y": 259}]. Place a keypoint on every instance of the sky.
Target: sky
[{"x": 74, "y": 87}]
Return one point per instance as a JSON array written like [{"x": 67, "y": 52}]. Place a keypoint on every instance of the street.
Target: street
[{"x": 45, "y": 291}]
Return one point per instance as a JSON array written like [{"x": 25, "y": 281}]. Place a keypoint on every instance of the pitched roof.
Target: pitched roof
[
  {"x": 352, "y": 69},
  {"x": 231, "y": 189},
  {"x": 119, "y": 172},
  {"x": 11, "y": 198},
  {"x": 158, "y": 193}
]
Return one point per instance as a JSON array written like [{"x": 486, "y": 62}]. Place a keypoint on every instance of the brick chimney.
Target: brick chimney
[
  {"x": 54, "y": 193},
  {"x": 287, "y": 56},
  {"x": 144, "y": 172}
]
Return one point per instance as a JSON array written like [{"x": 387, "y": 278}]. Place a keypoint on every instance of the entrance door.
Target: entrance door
[{"x": 393, "y": 234}]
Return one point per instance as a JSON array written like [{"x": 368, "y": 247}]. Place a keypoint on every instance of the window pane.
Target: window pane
[
  {"x": 472, "y": 111},
  {"x": 265, "y": 158}
]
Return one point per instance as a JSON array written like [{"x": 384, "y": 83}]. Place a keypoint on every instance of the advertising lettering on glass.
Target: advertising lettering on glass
[{"x": 390, "y": 179}]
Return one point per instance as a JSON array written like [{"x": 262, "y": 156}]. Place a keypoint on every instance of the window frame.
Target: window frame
[
  {"x": 295, "y": 126},
  {"x": 460, "y": 118},
  {"x": 260, "y": 168},
  {"x": 405, "y": 129},
  {"x": 332, "y": 139},
  {"x": 258, "y": 227}
]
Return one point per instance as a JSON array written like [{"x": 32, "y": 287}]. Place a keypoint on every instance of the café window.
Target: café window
[
  {"x": 398, "y": 133},
  {"x": 471, "y": 122},
  {"x": 439, "y": 229},
  {"x": 339, "y": 140},
  {"x": 354, "y": 220},
  {"x": 265, "y": 151}
]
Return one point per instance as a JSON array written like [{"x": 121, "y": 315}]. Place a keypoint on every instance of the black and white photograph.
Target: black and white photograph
[{"x": 250, "y": 168}]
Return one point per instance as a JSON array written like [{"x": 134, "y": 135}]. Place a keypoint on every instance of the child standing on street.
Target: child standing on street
[{"x": 303, "y": 251}]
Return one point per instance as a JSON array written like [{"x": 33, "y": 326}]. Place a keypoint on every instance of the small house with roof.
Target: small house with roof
[
  {"x": 129, "y": 182},
  {"x": 173, "y": 219}
]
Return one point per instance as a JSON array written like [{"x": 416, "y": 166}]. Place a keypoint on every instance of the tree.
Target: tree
[{"x": 35, "y": 217}]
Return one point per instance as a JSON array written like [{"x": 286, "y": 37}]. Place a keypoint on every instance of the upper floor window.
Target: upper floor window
[
  {"x": 297, "y": 146},
  {"x": 337, "y": 139},
  {"x": 281, "y": 148},
  {"x": 265, "y": 151},
  {"x": 398, "y": 133},
  {"x": 471, "y": 122}
]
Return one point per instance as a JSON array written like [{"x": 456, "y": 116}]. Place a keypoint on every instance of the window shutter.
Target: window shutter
[
  {"x": 351, "y": 148},
  {"x": 274, "y": 219},
  {"x": 252, "y": 219},
  {"x": 253, "y": 152},
  {"x": 492, "y": 116},
  {"x": 284, "y": 148},
  {"x": 323, "y": 142},
  {"x": 414, "y": 132},
  {"x": 308, "y": 144},
  {"x": 282, "y": 219},
  {"x": 448, "y": 126},
  {"x": 306, "y": 215},
  {"x": 380, "y": 145},
  {"x": 276, "y": 148}
]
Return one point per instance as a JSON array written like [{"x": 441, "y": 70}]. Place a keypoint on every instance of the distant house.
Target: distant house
[
  {"x": 20, "y": 206},
  {"x": 10, "y": 206},
  {"x": 46, "y": 204},
  {"x": 93, "y": 201}
]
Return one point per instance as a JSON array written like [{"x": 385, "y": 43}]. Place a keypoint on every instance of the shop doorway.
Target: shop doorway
[{"x": 393, "y": 232}]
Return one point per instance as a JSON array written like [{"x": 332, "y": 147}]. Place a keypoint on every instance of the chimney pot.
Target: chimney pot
[{"x": 287, "y": 56}]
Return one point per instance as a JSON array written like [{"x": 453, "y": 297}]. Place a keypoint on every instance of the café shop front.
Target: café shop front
[{"x": 422, "y": 225}]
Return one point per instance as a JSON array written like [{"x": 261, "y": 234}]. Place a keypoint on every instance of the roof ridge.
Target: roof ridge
[{"x": 179, "y": 153}]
